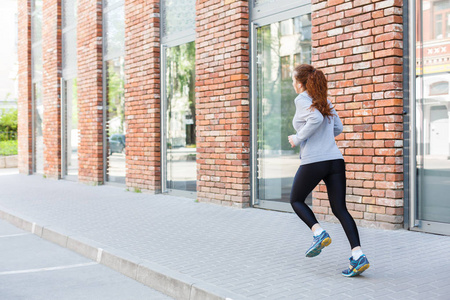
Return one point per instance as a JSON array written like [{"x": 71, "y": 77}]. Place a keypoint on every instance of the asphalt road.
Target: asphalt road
[{"x": 32, "y": 268}]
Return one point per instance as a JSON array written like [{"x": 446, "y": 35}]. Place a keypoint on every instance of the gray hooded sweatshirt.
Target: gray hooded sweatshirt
[{"x": 315, "y": 133}]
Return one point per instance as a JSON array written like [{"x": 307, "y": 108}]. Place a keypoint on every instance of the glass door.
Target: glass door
[
  {"x": 430, "y": 202},
  {"x": 179, "y": 136},
  {"x": 280, "y": 46}
]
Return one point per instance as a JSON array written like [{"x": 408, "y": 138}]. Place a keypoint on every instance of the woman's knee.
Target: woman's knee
[
  {"x": 295, "y": 197},
  {"x": 340, "y": 212}
]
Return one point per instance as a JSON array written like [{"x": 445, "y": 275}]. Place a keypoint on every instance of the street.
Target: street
[{"x": 33, "y": 268}]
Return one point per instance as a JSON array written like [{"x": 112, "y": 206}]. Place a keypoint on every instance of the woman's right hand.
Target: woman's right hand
[{"x": 291, "y": 141}]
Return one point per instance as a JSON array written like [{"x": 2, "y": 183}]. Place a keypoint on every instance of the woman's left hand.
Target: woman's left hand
[{"x": 291, "y": 141}]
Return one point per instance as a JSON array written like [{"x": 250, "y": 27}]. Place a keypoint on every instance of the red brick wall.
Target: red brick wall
[
  {"x": 142, "y": 94},
  {"x": 222, "y": 102},
  {"x": 24, "y": 78},
  {"x": 90, "y": 101},
  {"x": 359, "y": 45},
  {"x": 51, "y": 49}
]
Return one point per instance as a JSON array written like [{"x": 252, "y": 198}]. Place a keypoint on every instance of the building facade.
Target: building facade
[{"x": 194, "y": 98}]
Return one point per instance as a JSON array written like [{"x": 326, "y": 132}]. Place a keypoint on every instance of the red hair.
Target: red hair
[{"x": 316, "y": 84}]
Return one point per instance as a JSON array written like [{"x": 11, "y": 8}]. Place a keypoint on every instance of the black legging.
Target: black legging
[{"x": 333, "y": 174}]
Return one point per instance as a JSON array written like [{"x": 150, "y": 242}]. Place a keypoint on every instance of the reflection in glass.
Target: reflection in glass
[
  {"x": 116, "y": 125},
  {"x": 280, "y": 47},
  {"x": 433, "y": 111},
  {"x": 180, "y": 118},
  {"x": 36, "y": 21},
  {"x": 38, "y": 128},
  {"x": 71, "y": 131},
  {"x": 71, "y": 135},
  {"x": 115, "y": 32},
  {"x": 114, "y": 62},
  {"x": 37, "y": 61},
  {"x": 38, "y": 107},
  {"x": 69, "y": 12},
  {"x": 69, "y": 46},
  {"x": 178, "y": 16}
]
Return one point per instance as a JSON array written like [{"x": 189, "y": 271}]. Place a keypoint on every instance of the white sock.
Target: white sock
[
  {"x": 357, "y": 254},
  {"x": 318, "y": 231}
]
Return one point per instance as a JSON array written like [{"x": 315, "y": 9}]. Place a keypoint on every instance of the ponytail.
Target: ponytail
[{"x": 316, "y": 84}]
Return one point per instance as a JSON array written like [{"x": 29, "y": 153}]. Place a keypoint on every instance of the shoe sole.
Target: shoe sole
[
  {"x": 358, "y": 271},
  {"x": 314, "y": 252}
]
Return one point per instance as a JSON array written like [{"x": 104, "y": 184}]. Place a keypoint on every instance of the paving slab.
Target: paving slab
[{"x": 206, "y": 250}]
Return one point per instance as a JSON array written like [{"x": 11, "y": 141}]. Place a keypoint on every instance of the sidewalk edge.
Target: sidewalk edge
[{"x": 167, "y": 281}]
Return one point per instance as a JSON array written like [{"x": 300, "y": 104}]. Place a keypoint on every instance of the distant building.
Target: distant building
[{"x": 8, "y": 55}]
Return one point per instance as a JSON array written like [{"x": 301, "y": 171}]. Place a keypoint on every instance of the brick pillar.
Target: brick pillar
[
  {"x": 51, "y": 49},
  {"x": 142, "y": 94},
  {"x": 90, "y": 101},
  {"x": 359, "y": 45},
  {"x": 222, "y": 102},
  {"x": 25, "y": 131}
]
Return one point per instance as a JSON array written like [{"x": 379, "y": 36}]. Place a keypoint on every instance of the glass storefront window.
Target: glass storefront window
[
  {"x": 115, "y": 32},
  {"x": 116, "y": 125},
  {"x": 36, "y": 20},
  {"x": 177, "y": 16},
  {"x": 69, "y": 47},
  {"x": 69, "y": 12},
  {"x": 69, "y": 99},
  {"x": 280, "y": 47},
  {"x": 38, "y": 128},
  {"x": 180, "y": 118},
  {"x": 432, "y": 105},
  {"x": 71, "y": 132},
  {"x": 38, "y": 111},
  {"x": 37, "y": 61},
  {"x": 114, "y": 66}
]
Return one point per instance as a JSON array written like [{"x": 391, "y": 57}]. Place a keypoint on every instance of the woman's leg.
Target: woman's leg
[
  {"x": 336, "y": 188},
  {"x": 305, "y": 180}
]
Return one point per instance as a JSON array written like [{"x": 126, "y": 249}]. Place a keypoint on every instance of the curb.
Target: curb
[
  {"x": 172, "y": 283},
  {"x": 10, "y": 161}
]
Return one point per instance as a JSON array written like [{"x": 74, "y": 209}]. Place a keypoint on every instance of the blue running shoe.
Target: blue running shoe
[
  {"x": 356, "y": 266},
  {"x": 319, "y": 242}
]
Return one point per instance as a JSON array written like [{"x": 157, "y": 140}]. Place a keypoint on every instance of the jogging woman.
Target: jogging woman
[{"x": 317, "y": 124}]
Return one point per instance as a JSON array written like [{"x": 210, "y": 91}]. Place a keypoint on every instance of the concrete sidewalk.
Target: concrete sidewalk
[{"x": 192, "y": 250}]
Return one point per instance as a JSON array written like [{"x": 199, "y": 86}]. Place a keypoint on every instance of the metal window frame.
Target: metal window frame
[{"x": 268, "y": 13}]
